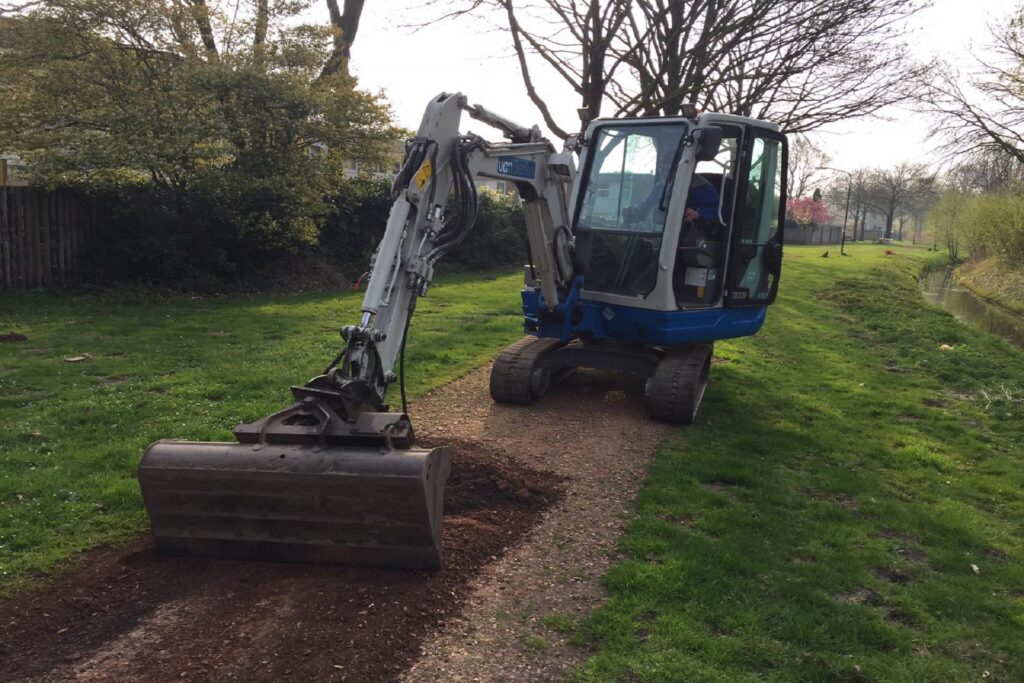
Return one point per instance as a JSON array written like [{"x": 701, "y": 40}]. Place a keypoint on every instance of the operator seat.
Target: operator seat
[{"x": 700, "y": 255}]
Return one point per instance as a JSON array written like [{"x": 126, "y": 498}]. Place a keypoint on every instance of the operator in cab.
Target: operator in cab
[{"x": 701, "y": 201}]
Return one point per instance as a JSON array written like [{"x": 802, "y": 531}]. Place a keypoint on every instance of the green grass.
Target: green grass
[
  {"x": 559, "y": 623},
  {"x": 71, "y": 434},
  {"x": 821, "y": 520},
  {"x": 819, "y": 523}
]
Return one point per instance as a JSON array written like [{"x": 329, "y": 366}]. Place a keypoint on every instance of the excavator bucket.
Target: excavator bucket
[{"x": 291, "y": 490}]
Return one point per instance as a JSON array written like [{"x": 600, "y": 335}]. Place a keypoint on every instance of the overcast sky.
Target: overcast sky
[{"x": 413, "y": 66}]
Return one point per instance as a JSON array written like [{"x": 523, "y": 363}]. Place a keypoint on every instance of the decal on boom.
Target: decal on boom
[{"x": 517, "y": 167}]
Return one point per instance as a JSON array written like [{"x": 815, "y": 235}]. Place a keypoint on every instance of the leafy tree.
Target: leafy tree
[
  {"x": 983, "y": 225},
  {"x": 945, "y": 222},
  {"x": 214, "y": 122}
]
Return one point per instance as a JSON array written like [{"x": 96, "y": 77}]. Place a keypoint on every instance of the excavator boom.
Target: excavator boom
[{"x": 336, "y": 477}]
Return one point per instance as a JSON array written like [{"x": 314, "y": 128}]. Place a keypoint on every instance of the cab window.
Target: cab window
[{"x": 621, "y": 218}]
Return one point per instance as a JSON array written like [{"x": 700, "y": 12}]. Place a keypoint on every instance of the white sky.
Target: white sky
[{"x": 412, "y": 66}]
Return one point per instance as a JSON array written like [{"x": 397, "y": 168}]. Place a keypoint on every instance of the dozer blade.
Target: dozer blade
[{"x": 322, "y": 503}]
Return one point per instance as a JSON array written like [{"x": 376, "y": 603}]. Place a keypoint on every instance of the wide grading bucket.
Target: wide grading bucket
[{"x": 372, "y": 504}]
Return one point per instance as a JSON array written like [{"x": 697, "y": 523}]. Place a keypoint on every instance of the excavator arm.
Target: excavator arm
[
  {"x": 435, "y": 206},
  {"x": 335, "y": 477}
]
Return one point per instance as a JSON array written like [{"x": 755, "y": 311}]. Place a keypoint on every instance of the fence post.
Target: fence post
[
  {"x": 22, "y": 253},
  {"x": 62, "y": 264},
  {"x": 37, "y": 241},
  {"x": 44, "y": 224},
  {"x": 5, "y": 241}
]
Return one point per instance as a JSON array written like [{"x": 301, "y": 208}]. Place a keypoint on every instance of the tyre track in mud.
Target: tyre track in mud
[{"x": 534, "y": 505}]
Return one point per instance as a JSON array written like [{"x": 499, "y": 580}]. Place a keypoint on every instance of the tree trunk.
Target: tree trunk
[
  {"x": 888, "y": 225},
  {"x": 201, "y": 14},
  {"x": 344, "y": 26},
  {"x": 259, "y": 40}
]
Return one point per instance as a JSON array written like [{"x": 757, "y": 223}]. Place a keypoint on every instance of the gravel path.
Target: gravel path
[{"x": 593, "y": 431}]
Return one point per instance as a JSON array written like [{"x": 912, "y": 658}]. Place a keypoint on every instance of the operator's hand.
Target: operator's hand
[{"x": 690, "y": 215}]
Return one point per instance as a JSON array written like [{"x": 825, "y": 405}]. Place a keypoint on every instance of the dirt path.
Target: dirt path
[
  {"x": 591, "y": 430},
  {"x": 533, "y": 508}
]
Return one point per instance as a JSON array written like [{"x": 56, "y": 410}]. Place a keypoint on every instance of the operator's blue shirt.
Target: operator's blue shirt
[{"x": 702, "y": 198}]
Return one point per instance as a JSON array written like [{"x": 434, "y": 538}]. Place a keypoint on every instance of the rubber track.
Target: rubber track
[
  {"x": 675, "y": 389},
  {"x": 511, "y": 373}
]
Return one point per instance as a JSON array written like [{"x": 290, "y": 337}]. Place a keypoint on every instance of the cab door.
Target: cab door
[{"x": 755, "y": 249}]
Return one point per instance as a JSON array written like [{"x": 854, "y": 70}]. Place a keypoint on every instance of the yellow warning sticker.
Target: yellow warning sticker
[{"x": 423, "y": 175}]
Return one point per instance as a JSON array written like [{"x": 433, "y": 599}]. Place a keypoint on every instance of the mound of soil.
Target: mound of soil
[{"x": 131, "y": 614}]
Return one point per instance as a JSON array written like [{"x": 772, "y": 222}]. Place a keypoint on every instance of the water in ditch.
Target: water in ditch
[{"x": 940, "y": 287}]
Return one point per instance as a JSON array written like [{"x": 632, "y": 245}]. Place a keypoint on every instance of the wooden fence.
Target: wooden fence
[
  {"x": 43, "y": 237},
  {"x": 822, "y": 234}
]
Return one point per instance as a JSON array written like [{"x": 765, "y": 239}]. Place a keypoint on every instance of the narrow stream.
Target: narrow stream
[{"x": 941, "y": 289}]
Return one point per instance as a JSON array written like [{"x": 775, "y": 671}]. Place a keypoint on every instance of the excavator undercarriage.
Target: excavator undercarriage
[{"x": 675, "y": 384}]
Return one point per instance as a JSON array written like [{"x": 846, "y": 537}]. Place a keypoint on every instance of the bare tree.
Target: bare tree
[
  {"x": 344, "y": 26},
  {"x": 801, "y": 63},
  {"x": 915, "y": 210},
  {"x": 571, "y": 38},
  {"x": 806, "y": 162},
  {"x": 984, "y": 113},
  {"x": 985, "y": 171},
  {"x": 891, "y": 191},
  {"x": 862, "y": 196}
]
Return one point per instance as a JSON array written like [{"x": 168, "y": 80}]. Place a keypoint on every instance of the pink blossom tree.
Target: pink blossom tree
[{"x": 808, "y": 212}]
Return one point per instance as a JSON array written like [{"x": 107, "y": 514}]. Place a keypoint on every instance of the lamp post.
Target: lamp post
[{"x": 846, "y": 213}]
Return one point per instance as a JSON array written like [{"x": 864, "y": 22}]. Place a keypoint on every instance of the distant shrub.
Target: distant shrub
[
  {"x": 982, "y": 224},
  {"x": 200, "y": 240},
  {"x": 498, "y": 238}
]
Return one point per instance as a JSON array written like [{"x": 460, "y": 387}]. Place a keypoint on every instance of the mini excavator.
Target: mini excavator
[{"x": 667, "y": 238}]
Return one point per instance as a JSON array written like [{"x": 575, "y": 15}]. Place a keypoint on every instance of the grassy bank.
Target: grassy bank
[
  {"x": 994, "y": 282},
  {"x": 848, "y": 507},
  {"x": 71, "y": 433}
]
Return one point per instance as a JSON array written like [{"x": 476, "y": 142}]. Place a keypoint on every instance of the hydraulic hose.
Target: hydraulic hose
[{"x": 401, "y": 353}]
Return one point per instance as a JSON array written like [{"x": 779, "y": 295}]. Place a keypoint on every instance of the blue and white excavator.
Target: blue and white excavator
[{"x": 667, "y": 237}]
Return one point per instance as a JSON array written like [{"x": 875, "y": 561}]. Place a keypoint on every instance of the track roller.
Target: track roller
[
  {"x": 677, "y": 386},
  {"x": 517, "y": 375}
]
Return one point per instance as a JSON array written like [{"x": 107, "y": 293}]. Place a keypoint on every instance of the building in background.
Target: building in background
[
  {"x": 873, "y": 228},
  {"x": 10, "y": 166}
]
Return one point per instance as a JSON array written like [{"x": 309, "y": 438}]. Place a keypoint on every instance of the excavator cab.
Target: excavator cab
[
  {"x": 722, "y": 234},
  {"x": 677, "y": 228}
]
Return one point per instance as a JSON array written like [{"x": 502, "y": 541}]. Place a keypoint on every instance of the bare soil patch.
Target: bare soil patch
[
  {"x": 537, "y": 499},
  {"x": 131, "y": 614}
]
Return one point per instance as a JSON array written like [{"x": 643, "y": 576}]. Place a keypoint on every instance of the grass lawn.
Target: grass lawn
[
  {"x": 71, "y": 434},
  {"x": 850, "y": 505}
]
